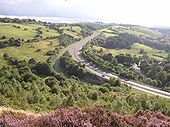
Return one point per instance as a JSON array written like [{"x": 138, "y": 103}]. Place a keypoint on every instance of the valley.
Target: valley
[{"x": 82, "y": 68}]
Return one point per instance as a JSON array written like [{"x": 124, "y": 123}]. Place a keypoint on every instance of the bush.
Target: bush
[
  {"x": 43, "y": 69},
  {"x": 103, "y": 89},
  {"x": 93, "y": 96},
  {"x": 3, "y": 37},
  {"x": 94, "y": 117},
  {"x": 51, "y": 81}
]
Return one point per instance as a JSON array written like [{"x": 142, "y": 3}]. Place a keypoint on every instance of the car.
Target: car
[
  {"x": 87, "y": 64},
  {"x": 90, "y": 66},
  {"x": 96, "y": 69},
  {"x": 103, "y": 75}
]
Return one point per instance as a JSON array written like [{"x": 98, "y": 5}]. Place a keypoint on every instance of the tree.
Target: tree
[
  {"x": 54, "y": 89},
  {"x": 151, "y": 73},
  {"x": 43, "y": 69},
  {"x": 51, "y": 81},
  {"x": 144, "y": 102},
  {"x": 162, "y": 76},
  {"x": 3, "y": 37},
  {"x": 29, "y": 77},
  {"x": 144, "y": 65},
  {"x": 114, "y": 61},
  {"x": 6, "y": 56},
  {"x": 117, "y": 82},
  {"x": 101, "y": 50},
  {"x": 167, "y": 68},
  {"x": 93, "y": 95},
  {"x": 140, "y": 77},
  {"x": 36, "y": 93},
  {"x": 131, "y": 100},
  {"x": 74, "y": 91},
  {"x": 168, "y": 77},
  {"x": 154, "y": 83},
  {"x": 148, "y": 81},
  {"x": 108, "y": 57},
  {"x": 103, "y": 89},
  {"x": 69, "y": 101},
  {"x": 32, "y": 61},
  {"x": 159, "y": 83},
  {"x": 141, "y": 51},
  {"x": 168, "y": 58}
]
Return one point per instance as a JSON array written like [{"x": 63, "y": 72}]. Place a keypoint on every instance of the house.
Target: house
[{"x": 136, "y": 68}]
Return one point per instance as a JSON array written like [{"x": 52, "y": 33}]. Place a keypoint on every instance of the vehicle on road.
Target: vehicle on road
[{"x": 96, "y": 69}]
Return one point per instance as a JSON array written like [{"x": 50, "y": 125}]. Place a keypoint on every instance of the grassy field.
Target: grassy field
[
  {"x": 68, "y": 30},
  {"x": 73, "y": 34},
  {"x": 109, "y": 35},
  {"x": 153, "y": 53},
  {"x": 28, "y": 50},
  {"x": 8, "y": 30},
  {"x": 75, "y": 28},
  {"x": 106, "y": 30},
  {"x": 147, "y": 30},
  {"x": 137, "y": 31}
]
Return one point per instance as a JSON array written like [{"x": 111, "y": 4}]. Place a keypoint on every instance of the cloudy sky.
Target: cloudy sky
[{"x": 142, "y": 12}]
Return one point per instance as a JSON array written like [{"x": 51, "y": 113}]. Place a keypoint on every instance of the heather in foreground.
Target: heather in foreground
[{"x": 75, "y": 117}]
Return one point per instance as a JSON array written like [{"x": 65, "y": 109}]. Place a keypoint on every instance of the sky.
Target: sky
[{"x": 140, "y": 12}]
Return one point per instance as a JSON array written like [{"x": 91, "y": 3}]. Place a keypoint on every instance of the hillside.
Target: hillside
[
  {"x": 28, "y": 81},
  {"x": 26, "y": 39},
  {"x": 124, "y": 36},
  {"x": 122, "y": 49},
  {"x": 25, "y": 31}
]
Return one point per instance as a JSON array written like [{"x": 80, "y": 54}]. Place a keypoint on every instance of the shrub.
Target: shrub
[
  {"x": 74, "y": 117},
  {"x": 103, "y": 89}
]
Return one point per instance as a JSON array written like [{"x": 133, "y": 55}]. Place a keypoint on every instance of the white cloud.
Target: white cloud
[{"x": 145, "y": 12}]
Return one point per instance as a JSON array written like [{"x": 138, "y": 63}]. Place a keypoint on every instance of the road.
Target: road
[{"x": 75, "y": 52}]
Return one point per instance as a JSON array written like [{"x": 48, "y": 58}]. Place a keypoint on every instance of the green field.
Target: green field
[
  {"x": 147, "y": 30},
  {"x": 28, "y": 31},
  {"x": 25, "y": 31},
  {"x": 73, "y": 31},
  {"x": 28, "y": 50},
  {"x": 109, "y": 35},
  {"x": 153, "y": 53},
  {"x": 137, "y": 31},
  {"x": 106, "y": 30},
  {"x": 74, "y": 28},
  {"x": 73, "y": 34}
]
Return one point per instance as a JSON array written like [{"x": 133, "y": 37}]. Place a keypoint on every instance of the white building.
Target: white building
[{"x": 136, "y": 68}]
